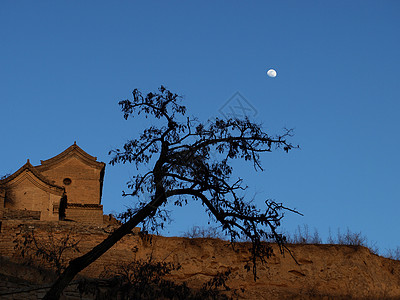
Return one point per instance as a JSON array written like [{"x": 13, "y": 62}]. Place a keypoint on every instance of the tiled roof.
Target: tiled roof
[
  {"x": 73, "y": 150},
  {"x": 28, "y": 167}
]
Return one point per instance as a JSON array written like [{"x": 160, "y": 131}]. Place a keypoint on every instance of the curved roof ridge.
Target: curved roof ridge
[
  {"x": 28, "y": 166},
  {"x": 73, "y": 147},
  {"x": 71, "y": 150}
]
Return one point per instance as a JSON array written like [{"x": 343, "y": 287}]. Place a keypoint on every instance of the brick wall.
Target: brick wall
[
  {"x": 85, "y": 180},
  {"x": 27, "y": 192},
  {"x": 2, "y": 197},
  {"x": 19, "y": 214},
  {"x": 88, "y": 236},
  {"x": 19, "y": 281},
  {"x": 85, "y": 214}
]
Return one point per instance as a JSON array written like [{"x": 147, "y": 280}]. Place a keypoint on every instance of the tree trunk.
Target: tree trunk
[{"x": 78, "y": 264}]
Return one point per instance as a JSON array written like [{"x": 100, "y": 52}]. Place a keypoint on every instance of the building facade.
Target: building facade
[{"x": 67, "y": 186}]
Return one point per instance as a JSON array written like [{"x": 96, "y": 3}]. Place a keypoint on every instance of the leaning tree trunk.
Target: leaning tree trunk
[{"x": 78, "y": 264}]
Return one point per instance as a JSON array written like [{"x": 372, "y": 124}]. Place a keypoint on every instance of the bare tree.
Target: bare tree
[
  {"x": 52, "y": 250},
  {"x": 179, "y": 150},
  {"x": 203, "y": 232},
  {"x": 145, "y": 279}
]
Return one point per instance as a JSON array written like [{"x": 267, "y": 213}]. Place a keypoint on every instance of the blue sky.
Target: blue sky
[{"x": 64, "y": 65}]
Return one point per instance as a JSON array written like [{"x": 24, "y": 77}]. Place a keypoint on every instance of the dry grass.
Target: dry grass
[{"x": 303, "y": 235}]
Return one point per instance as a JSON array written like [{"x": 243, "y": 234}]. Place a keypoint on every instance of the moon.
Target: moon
[{"x": 271, "y": 73}]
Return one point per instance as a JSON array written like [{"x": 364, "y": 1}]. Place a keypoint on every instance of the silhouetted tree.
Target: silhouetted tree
[{"x": 179, "y": 149}]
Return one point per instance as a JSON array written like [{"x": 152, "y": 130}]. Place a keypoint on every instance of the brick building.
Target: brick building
[{"x": 65, "y": 187}]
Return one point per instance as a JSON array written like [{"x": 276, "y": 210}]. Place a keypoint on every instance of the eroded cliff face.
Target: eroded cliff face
[{"x": 322, "y": 271}]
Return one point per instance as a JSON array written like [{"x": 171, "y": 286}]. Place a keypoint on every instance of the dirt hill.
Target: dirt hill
[{"x": 322, "y": 272}]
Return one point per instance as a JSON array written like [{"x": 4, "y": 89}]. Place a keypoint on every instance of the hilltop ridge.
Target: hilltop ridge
[{"x": 322, "y": 272}]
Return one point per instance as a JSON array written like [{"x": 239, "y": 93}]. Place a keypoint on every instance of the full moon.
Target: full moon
[{"x": 271, "y": 73}]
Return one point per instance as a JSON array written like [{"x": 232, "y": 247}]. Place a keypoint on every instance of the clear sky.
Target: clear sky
[{"x": 64, "y": 65}]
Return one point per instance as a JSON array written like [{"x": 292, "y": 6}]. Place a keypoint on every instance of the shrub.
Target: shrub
[
  {"x": 303, "y": 236},
  {"x": 349, "y": 238},
  {"x": 51, "y": 249},
  {"x": 203, "y": 232},
  {"x": 393, "y": 253},
  {"x": 145, "y": 279}
]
